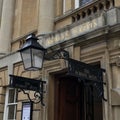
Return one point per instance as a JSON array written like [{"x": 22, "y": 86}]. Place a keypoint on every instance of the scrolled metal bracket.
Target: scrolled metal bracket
[
  {"x": 38, "y": 96},
  {"x": 59, "y": 54},
  {"x": 99, "y": 88},
  {"x": 27, "y": 84}
]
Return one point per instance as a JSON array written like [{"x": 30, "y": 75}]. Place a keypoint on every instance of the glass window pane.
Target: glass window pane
[
  {"x": 10, "y": 105},
  {"x": 37, "y": 58},
  {"x": 11, "y": 111},
  {"x": 26, "y": 56},
  {"x": 85, "y": 1},
  {"x": 1, "y": 116},
  {"x": 11, "y": 96},
  {"x": 77, "y": 4}
]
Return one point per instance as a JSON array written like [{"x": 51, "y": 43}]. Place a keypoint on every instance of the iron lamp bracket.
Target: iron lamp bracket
[{"x": 27, "y": 84}]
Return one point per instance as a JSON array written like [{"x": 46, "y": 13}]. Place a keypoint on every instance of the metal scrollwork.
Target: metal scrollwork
[
  {"x": 27, "y": 84},
  {"x": 59, "y": 54},
  {"x": 99, "y": 88},
  {"x": 38, "y": 96}
]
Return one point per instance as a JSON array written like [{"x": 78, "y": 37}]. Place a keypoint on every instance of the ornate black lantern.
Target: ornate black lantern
[{"x": 32, "y": 53}]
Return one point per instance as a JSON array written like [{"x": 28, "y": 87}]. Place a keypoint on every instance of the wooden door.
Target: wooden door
[
  {"x": 68, "y": 100},
  {"x": 74, "y": 101}
]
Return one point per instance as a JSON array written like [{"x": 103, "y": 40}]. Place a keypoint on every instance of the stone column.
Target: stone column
[
  {"x": 46, "y": 16},
  {"x": 117, "y": 3},
  {"x": 1, "y": 1},
  {"x": 6, "y": 26}
]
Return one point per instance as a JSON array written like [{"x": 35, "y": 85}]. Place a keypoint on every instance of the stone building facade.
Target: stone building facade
[{"x": 88, "y": 29}]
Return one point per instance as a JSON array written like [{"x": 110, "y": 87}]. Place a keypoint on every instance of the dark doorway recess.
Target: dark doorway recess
[{"x": 76, "y": 101}]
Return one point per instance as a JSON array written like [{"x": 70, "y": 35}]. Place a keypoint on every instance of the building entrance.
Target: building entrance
[{"x": 74, "y": 101}]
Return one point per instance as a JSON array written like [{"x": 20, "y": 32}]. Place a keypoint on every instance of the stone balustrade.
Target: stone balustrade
[{"x": 94, "y": 7}]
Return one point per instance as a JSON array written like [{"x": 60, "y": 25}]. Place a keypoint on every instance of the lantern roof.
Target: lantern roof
[{"x": 31, "y": 42}]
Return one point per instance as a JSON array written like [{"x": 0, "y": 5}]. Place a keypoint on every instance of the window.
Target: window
[
  {"x": 85, "y": 1},
  {"x": 10, "y": 104},
  {"x": 67, "y": 5},
  {"x": 79, "y": 3}
]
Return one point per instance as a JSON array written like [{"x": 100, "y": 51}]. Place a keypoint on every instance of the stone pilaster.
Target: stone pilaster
[
  {"x": 6, "y": 26},
  {"x": 1, "y": 1},
  {"x": 117, "y": 3},
  {"x": 46, "y": 16}
]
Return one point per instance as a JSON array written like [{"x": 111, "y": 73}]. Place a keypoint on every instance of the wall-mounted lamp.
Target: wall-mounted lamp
[{"x": 32, "y": 53}]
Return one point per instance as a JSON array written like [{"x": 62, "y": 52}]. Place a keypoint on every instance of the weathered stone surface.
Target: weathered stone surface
[{"x": 113, "y": 16}]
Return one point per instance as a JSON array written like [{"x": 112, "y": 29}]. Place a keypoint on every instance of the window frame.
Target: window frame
[
  {"x": 63, "y": 4},
  {"x": 8, "y": 104},
  {"x": 64, "y": 8},
  {"x": 79, "y": 3}
]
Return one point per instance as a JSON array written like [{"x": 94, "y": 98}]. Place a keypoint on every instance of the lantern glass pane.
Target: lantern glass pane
[
  {"x": 37, "y": 58},
  {"x": 26, "y": 57}
]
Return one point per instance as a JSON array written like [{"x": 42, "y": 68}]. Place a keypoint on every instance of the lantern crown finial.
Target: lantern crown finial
[
  {"x": 31, "y": 42},
  {"x": 31, "y": 36}
]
